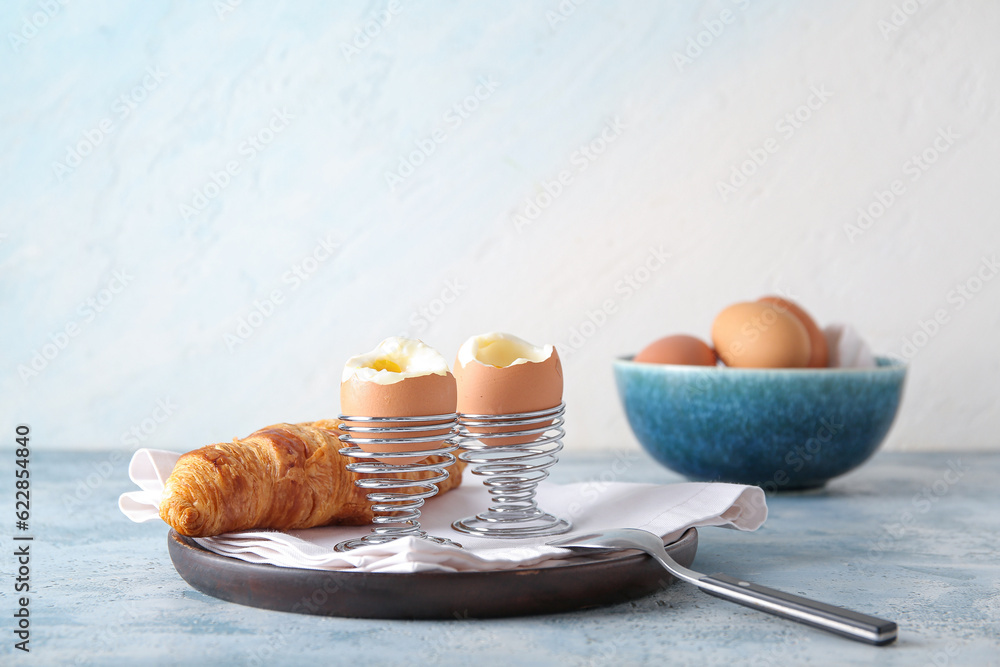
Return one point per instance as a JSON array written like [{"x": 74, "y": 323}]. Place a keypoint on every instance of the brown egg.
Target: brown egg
[
  {"x": 679, "y": 349},
  {"x": 758, "y": 335},
  {"x": 819, "y": 358},
  {"x": 500, "y": 374},
  {"x": 400, "y": 378}
]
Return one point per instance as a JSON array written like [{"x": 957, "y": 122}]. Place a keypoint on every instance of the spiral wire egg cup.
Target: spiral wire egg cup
[
  {"x": 396, "y": 501},
  {"x": 511, "y": 472}
]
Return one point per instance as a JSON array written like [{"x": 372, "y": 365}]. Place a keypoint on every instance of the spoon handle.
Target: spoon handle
[{"x": 845, "y": 622}]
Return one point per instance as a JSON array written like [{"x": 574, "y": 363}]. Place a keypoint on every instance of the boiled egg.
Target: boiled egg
[
  {"x": 819, "y": 356},
  {"x": 679, "y": 349},
  {"x": 500, "y": 374},
  {"x": 760, "y": 335},
  {"x": 401, "y": 377}
]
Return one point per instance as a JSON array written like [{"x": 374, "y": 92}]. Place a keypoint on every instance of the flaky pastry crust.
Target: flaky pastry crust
[{"x": 282, "y": 477}]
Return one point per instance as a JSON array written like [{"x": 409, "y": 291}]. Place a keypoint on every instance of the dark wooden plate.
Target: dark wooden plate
[{"x": 598, "y": 580}]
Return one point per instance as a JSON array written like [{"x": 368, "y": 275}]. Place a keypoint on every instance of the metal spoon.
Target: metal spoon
[{"x": 838, "y": 620}]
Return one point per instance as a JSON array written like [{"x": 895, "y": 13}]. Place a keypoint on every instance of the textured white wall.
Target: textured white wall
[{"x": 180, "y": 163}]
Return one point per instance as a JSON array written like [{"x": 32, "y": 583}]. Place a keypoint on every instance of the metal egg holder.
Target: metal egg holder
[
  {"x": 397, "y": 509},
  {"x": 510, "y": 472}
]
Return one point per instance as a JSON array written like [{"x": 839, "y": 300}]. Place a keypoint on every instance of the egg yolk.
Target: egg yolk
[{"x": 386, "y": 365}]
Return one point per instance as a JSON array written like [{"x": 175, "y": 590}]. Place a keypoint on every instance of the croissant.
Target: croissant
[{"x": 282, "y": 477}]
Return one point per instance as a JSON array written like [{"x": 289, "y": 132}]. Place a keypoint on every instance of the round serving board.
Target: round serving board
[{"x": 597, "y": 580}]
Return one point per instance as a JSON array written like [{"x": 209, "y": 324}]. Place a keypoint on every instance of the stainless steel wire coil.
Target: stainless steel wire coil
[
  {"x": 511, "y": 472},
  {"x": 396, "y": 501}
]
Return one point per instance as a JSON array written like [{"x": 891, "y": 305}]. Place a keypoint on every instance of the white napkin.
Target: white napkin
[
  {"x": 847, "y": 348},
  {"x": 667, "y": 510}
]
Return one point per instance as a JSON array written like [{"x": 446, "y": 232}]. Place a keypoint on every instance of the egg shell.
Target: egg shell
[
  {"x": 526, "y": 387},
  {"x": 411, "y": 397},
  {"x": 758, "y": 335},
  {"x": 820, "y": 355},
  {"x": 679, "y": 349}
]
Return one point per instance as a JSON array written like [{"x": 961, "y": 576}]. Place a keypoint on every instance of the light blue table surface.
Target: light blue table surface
[{"x": 911, "y": 537}]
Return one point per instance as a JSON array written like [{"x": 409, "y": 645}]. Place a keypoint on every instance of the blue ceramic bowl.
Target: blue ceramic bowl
[{"x": 781, "y": 429}]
